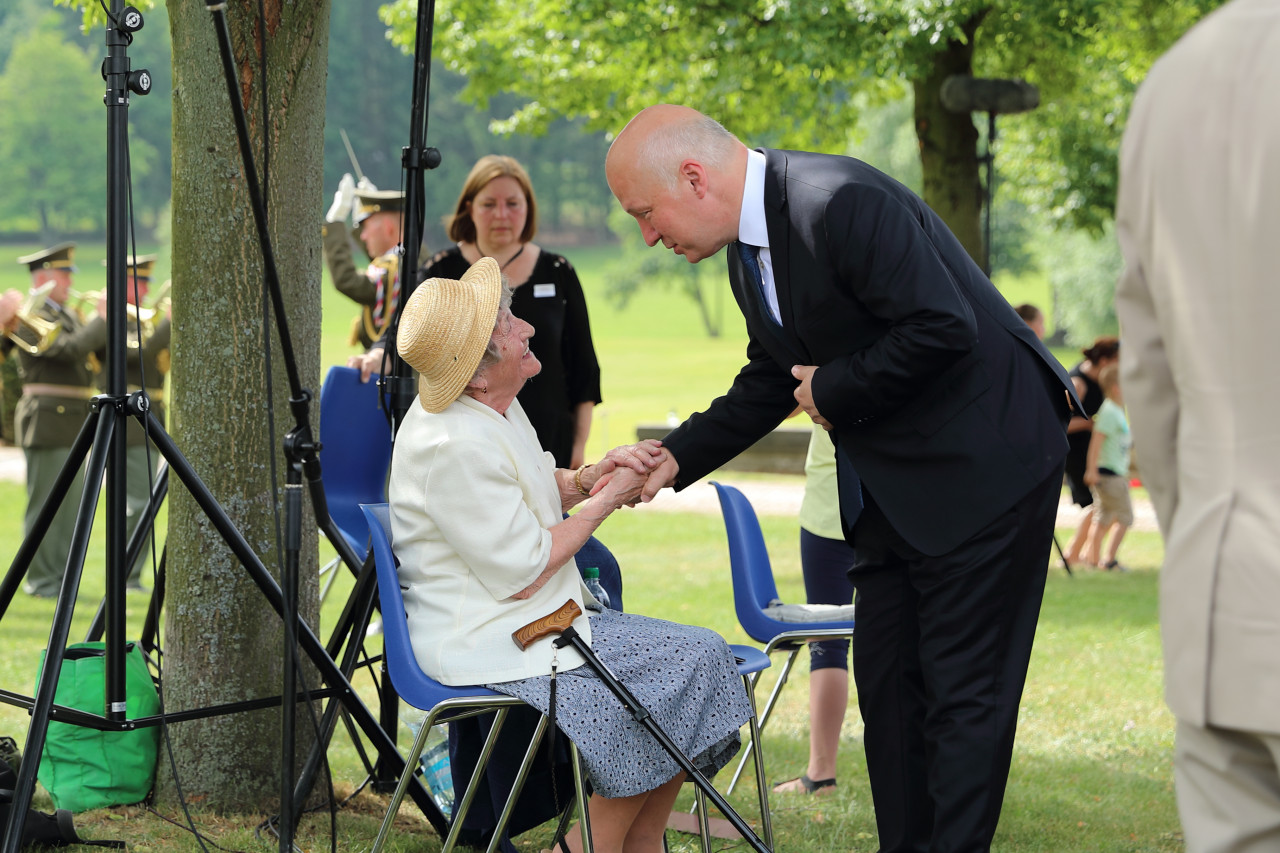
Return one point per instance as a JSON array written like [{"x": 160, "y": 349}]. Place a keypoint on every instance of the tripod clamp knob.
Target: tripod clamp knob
[
  {"x": 137, "y": 403},
  {"x": 130, "y": 20},
  {"x": 139, "y": 82}
]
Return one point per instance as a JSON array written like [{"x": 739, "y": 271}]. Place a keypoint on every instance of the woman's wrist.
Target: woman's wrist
[{"x": 582, "y": 488}]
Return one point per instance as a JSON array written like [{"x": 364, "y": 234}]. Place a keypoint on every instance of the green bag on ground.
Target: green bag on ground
[{"x": 83, "y": 768}]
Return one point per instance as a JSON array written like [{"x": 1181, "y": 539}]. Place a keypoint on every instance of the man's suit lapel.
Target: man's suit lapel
[{"x": 775, "y": 214}]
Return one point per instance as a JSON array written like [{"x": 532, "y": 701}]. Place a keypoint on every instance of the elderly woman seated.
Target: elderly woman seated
[{"x": 477, "y": 515}]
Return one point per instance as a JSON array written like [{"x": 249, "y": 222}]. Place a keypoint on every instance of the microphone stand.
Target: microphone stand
[{"x": 415, "y": 159}]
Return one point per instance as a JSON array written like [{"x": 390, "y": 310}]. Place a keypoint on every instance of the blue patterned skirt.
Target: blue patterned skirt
[{"x": 686, "y": 677}]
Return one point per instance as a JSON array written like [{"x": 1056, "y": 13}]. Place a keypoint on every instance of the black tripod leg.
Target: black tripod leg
[
  {"x": 31, "y": 543},
  {"x": 1062, "y": 555},
  {"x": 151, "y": 625},
  {"x": 55, "y": 651},
  {"x": 571, "y": 637}
]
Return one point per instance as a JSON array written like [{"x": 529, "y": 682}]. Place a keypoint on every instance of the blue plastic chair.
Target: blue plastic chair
[
  {"x": 355, "y": 454},
  {"x": 443, "y": 703},
  {"x": 753, "y": 589}
]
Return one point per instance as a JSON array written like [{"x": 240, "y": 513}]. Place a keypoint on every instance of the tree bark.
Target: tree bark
[
  {"x": 229, "y": 404},
  {"x": 949, "y": 146}
]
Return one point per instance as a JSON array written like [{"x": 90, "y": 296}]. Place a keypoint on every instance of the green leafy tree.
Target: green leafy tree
[
  {"x": 51, "y": 135},
  {"x": 786, "y": 73},
  {"x": 53, "y": 121}
]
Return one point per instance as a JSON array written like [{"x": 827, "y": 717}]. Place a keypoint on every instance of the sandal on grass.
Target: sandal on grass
[{"x": 806, "y": 785}]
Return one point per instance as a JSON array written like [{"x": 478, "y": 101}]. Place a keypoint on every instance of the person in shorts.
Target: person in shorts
[{"x": 1107, "y": 474}]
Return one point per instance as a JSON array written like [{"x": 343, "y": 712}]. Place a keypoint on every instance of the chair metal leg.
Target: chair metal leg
[
  {"x": 460, "y": 809},
  {"x": 411, "y": 762},
  {"x": 762, "y": 784},
  {"x": 704, "y": 819},
  {"x": 518, "y": 786},
  {"x": 584, "y": 810},
  {"x": 754, "y": 747},
  {"x": 764, "y": 718},
  {"x": 328, "y": 574}
]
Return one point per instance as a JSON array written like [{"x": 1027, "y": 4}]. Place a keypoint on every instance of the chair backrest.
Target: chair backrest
[
  {"x": 414, "y": 686},
  {"x": 753, "y": 586},
  {"x": 355, "y": 453}
]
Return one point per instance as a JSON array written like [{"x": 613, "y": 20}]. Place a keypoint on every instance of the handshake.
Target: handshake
[
  {"x": 627, "y": 475},
  {"x": 345, "y": 198}
]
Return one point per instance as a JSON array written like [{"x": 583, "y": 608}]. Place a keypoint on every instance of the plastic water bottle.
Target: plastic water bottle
[
  {"x": 591, "y": 576},
  {"x": 436, "y": 772}
]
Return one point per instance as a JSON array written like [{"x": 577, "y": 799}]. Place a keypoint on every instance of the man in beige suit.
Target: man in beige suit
[{"x": 1198, "y": 219}]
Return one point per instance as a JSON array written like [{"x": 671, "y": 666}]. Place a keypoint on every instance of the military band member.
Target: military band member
[
  {"x": 10, "y": 387},
  {"x": 146, "y": 365},
  {"x": 377, "y": 217},
  {"x": 57, "y": 384}
]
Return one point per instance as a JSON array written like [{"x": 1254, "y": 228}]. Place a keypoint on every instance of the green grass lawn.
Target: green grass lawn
[{"x": 1092, "y": 768}]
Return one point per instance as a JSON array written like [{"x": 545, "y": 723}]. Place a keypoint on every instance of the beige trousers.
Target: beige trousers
[{"x": 1228, "y": 785}]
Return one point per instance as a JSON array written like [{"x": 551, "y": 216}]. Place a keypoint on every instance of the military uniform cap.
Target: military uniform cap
[
  {"x": 369, "y": 202},
  {"x": 57, "y": 257},
  {"x": 139, "y": 267}
]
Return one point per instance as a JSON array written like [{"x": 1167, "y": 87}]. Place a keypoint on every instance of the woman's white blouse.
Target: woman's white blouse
[{"x": 472, "y": 496}]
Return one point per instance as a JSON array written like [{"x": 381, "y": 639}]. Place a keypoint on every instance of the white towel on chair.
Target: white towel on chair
[{"x": 809, "y": 612}]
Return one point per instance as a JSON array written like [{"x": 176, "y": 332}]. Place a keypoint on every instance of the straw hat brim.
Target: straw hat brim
[{"x": 444, "y": 329}]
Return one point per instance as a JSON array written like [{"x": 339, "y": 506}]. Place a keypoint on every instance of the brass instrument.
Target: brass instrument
[
  {"x": 34, "y": 334},
  {"x": 148, "y": 318},
  {"x": 162, "y": 299},
  {"x": 84, "y": 304}
]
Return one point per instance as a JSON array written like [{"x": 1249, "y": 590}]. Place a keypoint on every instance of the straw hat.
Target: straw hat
[{"x": 444, "y": 329}]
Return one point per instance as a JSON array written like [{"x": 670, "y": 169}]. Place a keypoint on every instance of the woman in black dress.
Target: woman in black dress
[
  {"x": 1084, "y": 375},
  {"x": 496, "y": 216}
]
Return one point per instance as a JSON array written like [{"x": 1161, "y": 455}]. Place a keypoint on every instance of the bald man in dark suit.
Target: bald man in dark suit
[{"x": 948, "y": 416}]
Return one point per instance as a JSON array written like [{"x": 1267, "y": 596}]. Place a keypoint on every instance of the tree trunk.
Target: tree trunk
[
  {"x": 223, "y": 640},
  {"x": 949, "y": 147}
]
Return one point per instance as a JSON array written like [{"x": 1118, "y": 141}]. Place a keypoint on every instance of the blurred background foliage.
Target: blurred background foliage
[{"x": 546, "y": 81}]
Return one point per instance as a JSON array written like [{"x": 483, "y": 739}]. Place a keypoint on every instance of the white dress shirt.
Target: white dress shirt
[{"x": 753, "y": 230}]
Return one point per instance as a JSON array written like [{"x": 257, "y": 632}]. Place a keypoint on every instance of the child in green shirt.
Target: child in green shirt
[{"x": 1107, "y": 474}]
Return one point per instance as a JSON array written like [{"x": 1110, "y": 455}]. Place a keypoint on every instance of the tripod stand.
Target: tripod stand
[{"x": 102, "y": 440}]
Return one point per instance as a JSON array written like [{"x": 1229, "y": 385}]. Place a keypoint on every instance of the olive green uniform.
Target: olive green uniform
[
  {"x": 10, "y": 391},
  {"x": 57, "y": 387},
  {"x": 367, "y": 287}
]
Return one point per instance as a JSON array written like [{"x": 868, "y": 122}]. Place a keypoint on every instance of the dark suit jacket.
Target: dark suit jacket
[{"x": 943, "y": 399}]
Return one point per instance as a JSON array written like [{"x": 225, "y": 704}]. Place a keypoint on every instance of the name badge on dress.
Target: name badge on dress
[{"x": 541, "y": 291}]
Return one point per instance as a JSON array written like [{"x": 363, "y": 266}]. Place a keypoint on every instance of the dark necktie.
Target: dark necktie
[{"x": 751, "y": 263}]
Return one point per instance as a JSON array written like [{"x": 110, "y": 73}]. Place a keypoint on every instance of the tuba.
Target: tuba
[{"x": 34, "y": 334}]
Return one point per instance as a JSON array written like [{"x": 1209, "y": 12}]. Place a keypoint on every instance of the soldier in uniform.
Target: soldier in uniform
[
  {"x": 377, "y": 217},
  {"x": 10, "y": 385},
  {"x": 57, "y": 384},
  {"x": 146, "y": 365}
]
